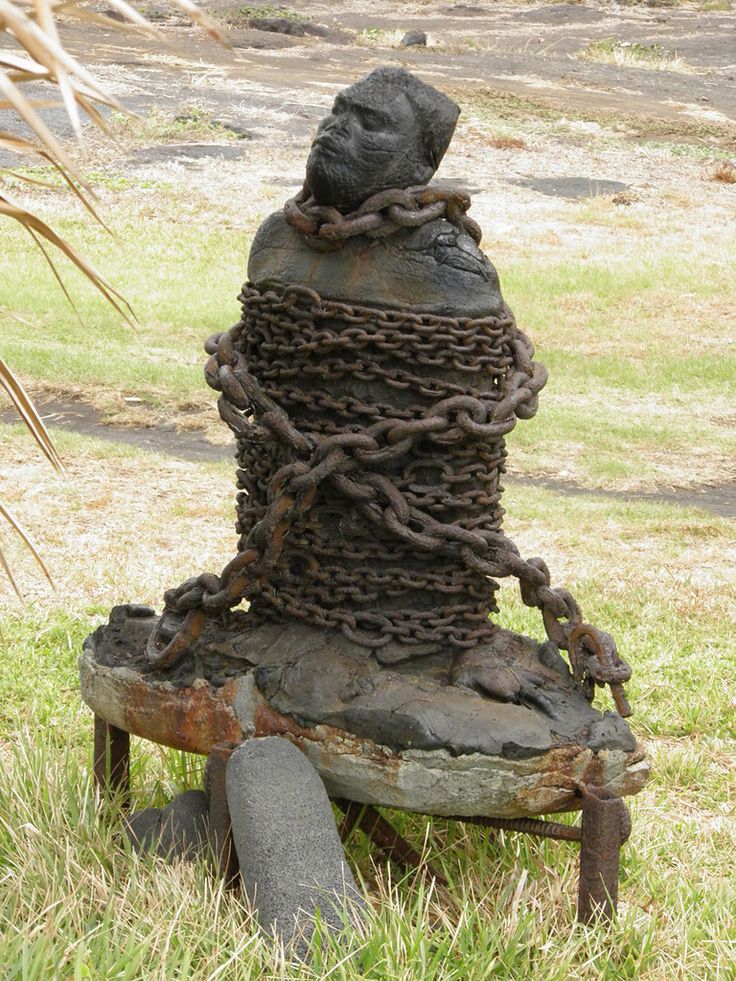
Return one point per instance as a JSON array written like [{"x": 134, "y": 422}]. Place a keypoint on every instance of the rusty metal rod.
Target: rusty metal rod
[
  {"x": 529, "y": 826},
  {"x": 351, "y": 815},
  {"x": 224, "y": 856},
  {"x": 111, "y": 761},
  {"x": 385, "y": 836}
]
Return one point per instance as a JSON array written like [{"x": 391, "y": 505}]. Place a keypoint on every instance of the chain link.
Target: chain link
[
  {"x": 326, "y": 229},
  {"x": 381, "y": 520}
]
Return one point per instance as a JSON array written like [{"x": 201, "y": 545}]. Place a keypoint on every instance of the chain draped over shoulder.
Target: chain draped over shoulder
[{"x": 326, "y": 229}]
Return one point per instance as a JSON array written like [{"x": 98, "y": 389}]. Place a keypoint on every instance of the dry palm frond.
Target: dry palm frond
[
  {"x": 40, "y": 58},
  {"x": 36, "y": 227},
  {"x": 29, "y": 415},
  {"x": 20, "y": 530}
]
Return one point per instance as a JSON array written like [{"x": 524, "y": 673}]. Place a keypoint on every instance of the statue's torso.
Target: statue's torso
[
  {"x": 343, "y": 374},
  {"x": 435, "y": 268}
]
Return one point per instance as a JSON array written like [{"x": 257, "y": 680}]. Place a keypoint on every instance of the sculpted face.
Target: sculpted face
[{"x": 388, "y": 130}]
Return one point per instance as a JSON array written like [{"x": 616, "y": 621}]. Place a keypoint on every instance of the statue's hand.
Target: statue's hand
[{"x": 505, "y": 676}]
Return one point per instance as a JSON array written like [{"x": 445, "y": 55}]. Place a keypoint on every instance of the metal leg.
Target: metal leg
[
  {"x": 112, "y": 761},
  {"x": 220, "y": 829},
  {"x": 605, "y": 827},
  {"x": 383, "y": 835}
]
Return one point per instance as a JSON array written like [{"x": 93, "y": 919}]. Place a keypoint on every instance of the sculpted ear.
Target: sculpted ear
[{"x": 440, "y": 126}]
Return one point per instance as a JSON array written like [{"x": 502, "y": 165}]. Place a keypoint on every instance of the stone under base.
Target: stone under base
[{"x": 403, "y": 738}]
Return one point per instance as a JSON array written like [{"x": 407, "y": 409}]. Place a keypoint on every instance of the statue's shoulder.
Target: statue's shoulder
[{"x": 435, "y": 268}]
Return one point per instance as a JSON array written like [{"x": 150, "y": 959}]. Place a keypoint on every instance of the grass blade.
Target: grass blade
[
  {"x": 9, "y": 574},
  {"x": 201, "y": 19},
  {"x": 29, "y": 115},
  {"x": 46, "y": 21}
]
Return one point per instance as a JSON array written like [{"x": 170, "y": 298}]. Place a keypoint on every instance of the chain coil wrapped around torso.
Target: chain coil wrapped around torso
[{"x": 443, "y": 393}]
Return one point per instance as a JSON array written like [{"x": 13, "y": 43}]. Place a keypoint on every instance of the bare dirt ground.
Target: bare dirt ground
[
  {"x": 184, "y": 444},
  {"x": 599, "y": 132},
  {"x": 280, "y": 84},
  {"x": 273, "y": 88}
]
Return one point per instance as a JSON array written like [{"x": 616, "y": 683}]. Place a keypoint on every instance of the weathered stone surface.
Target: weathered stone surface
[
  {"x": 412, "y": 38},
  {"x": 277, "y": 25},
  {"x": 572, "y": 188},
  {"x": 193, "y": 719},
  {"x": 452, "y": 786},
  {"x": 563, "y": 13},
  {"x": 610, "y": 731},
  {"x": 143, "y": 828},
  {"x": 387, "y": 130},
  {"x": 512, "y": 776},
  {"x": 434, "y": 268},
  {"x": 175, "y": 832},
  {"x": 187, "y": 154},
  {"x": 291, "y": 859}
]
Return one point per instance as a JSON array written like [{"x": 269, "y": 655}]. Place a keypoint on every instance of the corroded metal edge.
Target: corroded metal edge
[{"x": 199, "y": 718}]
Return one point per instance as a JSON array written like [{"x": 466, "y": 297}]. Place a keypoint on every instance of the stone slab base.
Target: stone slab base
[{"x": 201, "y": 716}]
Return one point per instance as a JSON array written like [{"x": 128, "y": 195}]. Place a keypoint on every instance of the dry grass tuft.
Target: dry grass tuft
[
  {"x": 724, "y": 172},
  {"x": 631, "y": 54},
  {"x": 507, "y": 143}
]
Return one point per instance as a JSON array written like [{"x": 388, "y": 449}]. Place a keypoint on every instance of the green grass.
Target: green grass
[
  {"x": 189, "y": 123},
  {"x": 97, "y": 179},
  {"x": 182, "y": 281},
  {"x": 241, "y": 16},
  {"x": 378, "y": 37},
  {"x": 694, "y": 150}
]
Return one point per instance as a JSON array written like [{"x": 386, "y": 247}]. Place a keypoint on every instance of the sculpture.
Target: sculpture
[{"x": 370, "y": 383}]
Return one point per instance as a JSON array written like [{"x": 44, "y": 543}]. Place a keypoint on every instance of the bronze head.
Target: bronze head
[{"x": 387, "y": 130}]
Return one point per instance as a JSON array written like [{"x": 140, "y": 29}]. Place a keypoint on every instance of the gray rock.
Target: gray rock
[
  {"x": 563, "y": 13},
  {"x": 610, "y": 732},
  {"x": 429, "y": 781},
  {"x": 186, "y": 154},
  {"x": 291, "y": 859},
  {"x": 317, "y": 30},
  {"x": 143, "y": 828},
  {"x": 177, "y": 831},
  {"x": 464, "y": 10},
  {"x": 414, "y": 38},
  {"x": 277, "y": 25},
  {"x": 434, "y": 268}
]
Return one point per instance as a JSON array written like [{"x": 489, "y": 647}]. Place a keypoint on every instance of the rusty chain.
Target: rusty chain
[
  {"x": 325, "y": 228},
  {"x": 364, "y": 502}
]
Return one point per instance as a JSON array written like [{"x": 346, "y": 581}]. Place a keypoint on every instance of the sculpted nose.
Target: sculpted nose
[{"x": 337, "y": 125}]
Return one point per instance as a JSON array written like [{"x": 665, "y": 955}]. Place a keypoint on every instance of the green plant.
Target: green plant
[
  {"x": 377, "y": 37},
  {"x": 634, "y": 54},
  {"x": 188, "y": 123}
]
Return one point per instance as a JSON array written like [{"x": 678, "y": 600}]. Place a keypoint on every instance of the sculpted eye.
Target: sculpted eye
[{"x": 372, "y": 121}]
